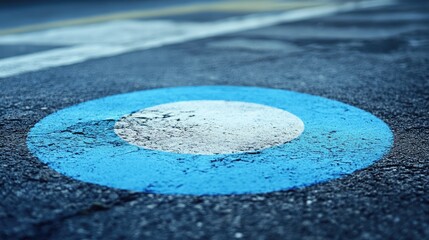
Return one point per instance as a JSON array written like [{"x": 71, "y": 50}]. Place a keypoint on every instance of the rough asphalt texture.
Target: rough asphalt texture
[{"x": 377, "y": 60}]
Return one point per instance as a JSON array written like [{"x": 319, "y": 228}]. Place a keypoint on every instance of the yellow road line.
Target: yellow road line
[{"x": 241, "y": 6}]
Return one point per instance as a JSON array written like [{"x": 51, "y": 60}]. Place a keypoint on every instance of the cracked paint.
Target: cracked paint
[{"x": 209, "y": 127}]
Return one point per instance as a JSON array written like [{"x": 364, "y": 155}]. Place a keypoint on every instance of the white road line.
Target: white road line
[{"x": 113, "y": 38}]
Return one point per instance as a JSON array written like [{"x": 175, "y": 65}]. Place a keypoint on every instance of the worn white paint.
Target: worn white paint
[
  {"x": 114, "y": 32},
  {"x": 209, "y": 127},
  {"x": 255, "y": 45},
  {"x": 82, "y": 43}
]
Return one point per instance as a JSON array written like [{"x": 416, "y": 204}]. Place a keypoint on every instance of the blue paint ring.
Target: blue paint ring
[{"x": 80, "y": 142}]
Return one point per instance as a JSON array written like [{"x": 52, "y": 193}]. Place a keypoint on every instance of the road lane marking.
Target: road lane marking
[
  {"x": 171, "y": 11},
  {"x": 255, "y": 45},
  {"x": 80, "y": 141},
  {"x": 129, "y": 41},
  {"x": 114, "y": 33}
]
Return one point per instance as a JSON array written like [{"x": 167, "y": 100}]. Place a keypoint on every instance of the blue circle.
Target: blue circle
[{"x": 338, "y": 139}]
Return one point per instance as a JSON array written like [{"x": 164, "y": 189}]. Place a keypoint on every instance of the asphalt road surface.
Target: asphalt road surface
[{"x": 374, "y": 58}]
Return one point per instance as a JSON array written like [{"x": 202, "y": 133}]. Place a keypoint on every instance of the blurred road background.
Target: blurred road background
[{"x": 370, "y": 54}]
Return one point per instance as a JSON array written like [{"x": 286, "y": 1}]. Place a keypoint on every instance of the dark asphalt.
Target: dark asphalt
[{"x": 377, "y": 60}]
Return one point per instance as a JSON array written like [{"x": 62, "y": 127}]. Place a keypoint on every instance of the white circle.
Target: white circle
[{"x": 209, "y": 127}]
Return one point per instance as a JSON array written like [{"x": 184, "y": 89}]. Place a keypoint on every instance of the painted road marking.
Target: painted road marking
[
  {"x": 255, "y": 45},
  {"x": 235, "y": 7},
  {"x": 126, "y": 32},
  {"x": 80, "y": 142},
  {"x": 209, "y": 127},
  {"x": 169, "y": 33}
]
